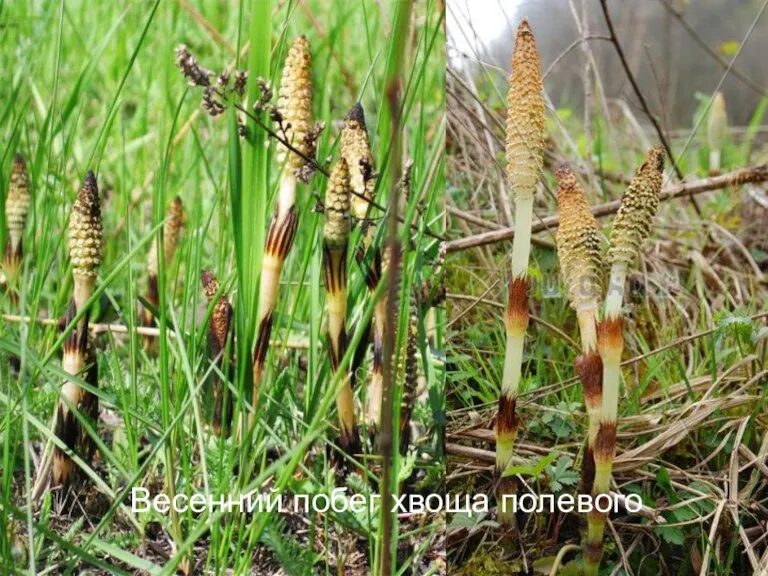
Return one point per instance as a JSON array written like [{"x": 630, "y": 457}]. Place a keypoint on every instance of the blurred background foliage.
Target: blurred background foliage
[{"x": 663, "y": 41}]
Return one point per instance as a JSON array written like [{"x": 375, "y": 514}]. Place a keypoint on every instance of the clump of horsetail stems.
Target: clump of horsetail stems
[
  {"x": 335, "y": 244},
  {"x": 631, "y": 228},
  {"x": 294, "y": 109},
  {"x": 78, "y": 356},
  {"x": 85, "y": 253},
  {"x": 581, "y": 261},
  {"x": 16, "y": 210},
  {"x": 172, "y": 228},
  {"x": 524, "y": 152},
  {"x": 219, "y": 332},
  {"x": 717, "y": 126},
  {"x": 356, "y": 150}
]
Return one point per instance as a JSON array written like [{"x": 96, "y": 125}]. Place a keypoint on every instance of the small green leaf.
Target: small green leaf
[
  {"x": 729, "y": 48},
  {"x": 406, "y": 466},
  {"x": 665, "y": 482},
  {"x": 684, "y": 514},
  {"x": 562, "y": 474},
  {"x": 671, "y": 535},
  {"x": 534, "y": 471},
  {"x": 561, "y": 428},
  {"x": 468, "y": 521}
]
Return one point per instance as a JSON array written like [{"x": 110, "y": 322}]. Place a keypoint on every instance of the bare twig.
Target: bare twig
[
  {"x": 316, "y": 165},
  {"x": 148, "y": 331},
  {"x": 578, "y": 42},
  {"x": 536, "y": 319},
  {"x": 711, "y": 539},
  {"x": 496, "y": 120},
  {"x": 738, "y": 177},
  {"x": 678, "y": 15},
  {"x": 487, "y": 456},
  {"x": 491, "y": 225},
  {"x": 639, "y": 94}
]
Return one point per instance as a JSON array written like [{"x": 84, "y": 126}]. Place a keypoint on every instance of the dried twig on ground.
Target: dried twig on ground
[{"x": 749, "y": 175}]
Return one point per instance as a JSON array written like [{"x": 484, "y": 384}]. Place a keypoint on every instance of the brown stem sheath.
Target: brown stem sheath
[
  {"x": 219, "y": 339},
  {"x": 77, "y": 356},
  {"x": 280, "y": 238},
  {"x": 335, "y": 273}
]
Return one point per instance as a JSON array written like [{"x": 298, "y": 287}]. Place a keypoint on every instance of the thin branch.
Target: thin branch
[
  {"x": 284, "y": 141},
  {"x": 570, "y": 48},
  {"x": 728, "y": 70},
  {"x": 491, "y": 225},
  {"x": 738, "y": 177},
  {"x": 587, "y": 84},
  {"x": 639, "y": 94},
  {"x": 678, "y": 15},
  {"x": 492, "y": 115},
  {"x": 148, "y": 331},
  {"x": 536, "y": 319},
  {"x": 554, "y": 388},
  {"x": 315, "y": 165}
]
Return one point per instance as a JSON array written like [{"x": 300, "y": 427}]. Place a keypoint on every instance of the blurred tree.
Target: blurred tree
[{"x": 669, "y": 63}]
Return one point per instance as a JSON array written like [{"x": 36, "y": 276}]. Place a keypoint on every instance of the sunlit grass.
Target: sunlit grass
[{"x": 96, "y": 87}]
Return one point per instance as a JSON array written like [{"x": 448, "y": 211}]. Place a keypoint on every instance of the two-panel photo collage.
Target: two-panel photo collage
[{"x": 384, "y": 287}]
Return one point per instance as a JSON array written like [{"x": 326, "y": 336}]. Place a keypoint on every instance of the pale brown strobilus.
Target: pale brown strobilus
[
  {"x": 631, "y": 228},
  {"x": 579, "y": 248},
  {"x": 172, "y": 229},
  {"x": 335, "y": 245},
  {"x": 85, "y": 254},
  {"x": 525, "y": 157},
  {"x": 16, "y": 210},
  {"x": 219, "y": 338},
  {"x": 294, "y": 107},
  {"x": 85, "y": 240},
  {"x": 356, "y": 150}
]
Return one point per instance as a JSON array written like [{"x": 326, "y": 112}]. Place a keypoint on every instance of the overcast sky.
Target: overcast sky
[{"x": 475, "y": 23}]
